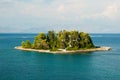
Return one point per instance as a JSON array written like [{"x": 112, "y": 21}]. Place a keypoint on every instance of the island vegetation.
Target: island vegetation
[{"x": 63, "y": 40}]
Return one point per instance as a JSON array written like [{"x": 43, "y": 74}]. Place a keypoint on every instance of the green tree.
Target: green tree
[
  {"x": 86, "y": 41},
  {"x": 52, "y": 38},
  {"x": 28, "y": 44},
  {"x": 74, "y": 39},
  {"x": 44, "y": 44},
  {"x": 41, "y": 36},
  {"x": 38, "y": 40},
  {"x": 23, "y": 44}
]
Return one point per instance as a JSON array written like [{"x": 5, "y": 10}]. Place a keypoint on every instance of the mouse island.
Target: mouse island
[{"x": 61, "y": 42}]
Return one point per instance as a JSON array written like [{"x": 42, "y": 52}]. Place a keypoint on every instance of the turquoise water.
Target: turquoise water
[{"x": 24, "y": 65}]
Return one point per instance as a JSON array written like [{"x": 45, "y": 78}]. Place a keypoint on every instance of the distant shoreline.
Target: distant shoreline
[{"x": 66, "y": 51}]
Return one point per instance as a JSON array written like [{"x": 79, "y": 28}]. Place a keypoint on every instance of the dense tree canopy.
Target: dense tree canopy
[
  {"x": 70, "y": 40},
  {"x": 26, "y": 44}
]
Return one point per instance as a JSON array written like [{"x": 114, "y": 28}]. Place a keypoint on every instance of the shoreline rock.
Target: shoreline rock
[{"x": 103, "y": 48}]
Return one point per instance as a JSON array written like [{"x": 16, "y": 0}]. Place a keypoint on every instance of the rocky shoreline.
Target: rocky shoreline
[{"x": 66, "y": 51}]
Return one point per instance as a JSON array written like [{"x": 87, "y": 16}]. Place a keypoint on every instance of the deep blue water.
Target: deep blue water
[{"x": 24, "y": 65}]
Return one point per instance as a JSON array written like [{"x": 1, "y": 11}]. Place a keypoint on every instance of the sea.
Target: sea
[{"x": 26, "y": 65}]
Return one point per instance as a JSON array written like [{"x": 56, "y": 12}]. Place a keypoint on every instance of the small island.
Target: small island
[{"x": 61, "y": 42}]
